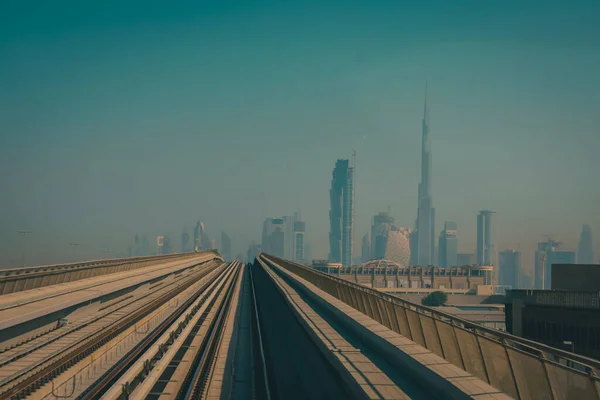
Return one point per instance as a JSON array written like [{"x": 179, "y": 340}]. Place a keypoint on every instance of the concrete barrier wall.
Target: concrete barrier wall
[
  {"x": 19, "y": 279},
  {"x": 518, "y": 367}
]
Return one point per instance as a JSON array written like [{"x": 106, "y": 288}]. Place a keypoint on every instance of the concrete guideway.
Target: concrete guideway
[
  {"x": 21, "y": 307},
  {"x": 517, "y": 367},
  {"x": 181, "y": 283},
  {"x": 27, "y": 278},
  {"x": 375, "y": 361}
]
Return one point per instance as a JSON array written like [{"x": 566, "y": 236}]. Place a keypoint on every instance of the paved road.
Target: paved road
[{"x": 296, "y": 367}]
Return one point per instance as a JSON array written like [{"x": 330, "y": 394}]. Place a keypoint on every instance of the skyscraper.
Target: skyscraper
[
  {"x": 277, "y": 239},
  {"x": 273, "y": 237},
  {"x": 201, "y": 240},
  {"x": 365, "y": 254},
  {"x": 185, "y": 238},
  {"x": 225, "y": 246},
  {"x": 341, "y": 213},
  {"x": 425, "y": 212},
  {"x": 448, "y": 246},
  {"x": 288, "y": 248},
  {"x": 585, "y": 251},
  {"x": 509, "y": 264},
  {"x": 299, "y": 232},
  {"x": 382, "y": 223},
  {"x": 485, "y": 238}
]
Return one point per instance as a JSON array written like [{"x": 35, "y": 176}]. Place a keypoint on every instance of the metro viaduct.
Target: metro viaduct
[{"x": 191, "y": 326}]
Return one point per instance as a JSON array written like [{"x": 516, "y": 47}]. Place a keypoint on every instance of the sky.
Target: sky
[{"x": 125, "y": 117}]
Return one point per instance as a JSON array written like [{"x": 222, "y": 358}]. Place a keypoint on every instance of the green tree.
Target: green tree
[{"x": 434, "y": 299}]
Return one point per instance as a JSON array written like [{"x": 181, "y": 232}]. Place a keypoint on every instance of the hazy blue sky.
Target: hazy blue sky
[{"x": 118, "y": 117}]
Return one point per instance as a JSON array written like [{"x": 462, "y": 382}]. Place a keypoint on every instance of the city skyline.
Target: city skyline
[{"x": 106, "y": 137}]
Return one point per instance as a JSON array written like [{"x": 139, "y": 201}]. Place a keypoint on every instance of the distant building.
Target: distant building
[
  {"x": 423, "y": 239},
  {"x": 185, "y": 240},
  {"x": 365, "y": 254},
  {"x": 288, "y": 247},
  {"x": 509, "y": 266},
  {"x": 277, "y": 239},
  {"x": 341, "y": 213},
  {"x": 448, "y": 246},
  {"x": 585, "y": 250},
  {"x": 299, "y": 233},
  {"x": 201, "y": 240},
  {"x": 566, "y": 317},
  {"x": 398, "y": 246},
  {"x": 576, "y": 277},
  {"x": 485, "y": 238},
  {"x": 546, "y": 255},
  {"x": 225, "y": 249},
  {"x": 382, "y": 223},
  {"x": 389, "y": 274},
  {"x": 465, "y": 259}
]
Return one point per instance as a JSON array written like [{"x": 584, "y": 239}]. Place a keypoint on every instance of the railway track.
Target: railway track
[
  {"x": 51, "y": 354},
  {"x": 181, "y": 363}
]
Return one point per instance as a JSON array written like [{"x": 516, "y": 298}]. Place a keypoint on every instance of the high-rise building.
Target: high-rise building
[
  {"x": 382, "y": 224},
  {"x": 201, "y": 240},
  {"x": 225, "y": 246},
  {"x": 398, "y": 246},
  {"x": 585, "y": 250},
  {"x": 463, "y": 259},
  {"x": 341, "y": 213},
  {"x": 546, "y": 255},
  {"x": 277, "y": 239},
  {"x": 425, "y": 211},
  {"x": 288, "y": 248},
  {"x": 509, "y": 265},
  {"x": 299, "y": 233},
  {"x": 448, "y": 246},
  {"x": 485, "y": 238},
  {"x": 541, "y": 262},
  {"x": 185, "y": 239},
  {"x": 365, "y": 254}
]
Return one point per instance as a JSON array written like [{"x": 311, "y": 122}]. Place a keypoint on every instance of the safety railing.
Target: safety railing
[
  {"x": 26, "y": 278},
  {"x": 519, "y": 367}
]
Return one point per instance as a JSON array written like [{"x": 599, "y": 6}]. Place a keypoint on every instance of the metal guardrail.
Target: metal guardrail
[
  {"x": 521, "y": 368},
  {"x": 18, "y": 279}
]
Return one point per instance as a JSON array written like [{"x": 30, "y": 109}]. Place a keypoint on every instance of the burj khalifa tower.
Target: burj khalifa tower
[{"x": 426, "y": 213}]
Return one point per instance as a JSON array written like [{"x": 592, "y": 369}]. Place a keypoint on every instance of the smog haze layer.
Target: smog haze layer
[{"x": 130, "y": 117}]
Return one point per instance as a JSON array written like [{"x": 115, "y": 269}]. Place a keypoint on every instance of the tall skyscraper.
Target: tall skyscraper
[
  {"x": 277, "y": 239},
  {"x": 299, "y": 232},
  {"x": 546, "y": 255},
  {"x": 365, "y": 254},
  {"x": 288, "y": 251},
  {"x": 225, "y": 249},
  {"x": 398, "y": 246},
  {"x": 425, "y": 212},
  {"x": 273, "y": 237},
  {"x": 185, "y": 239},
  {"x": 485, "y": 238},
  {"x": 541, "y": 262},
  {"x": 341, "y": 213},
  {"x": 201, "y": 240},
  {"x": 448, "y": 246},
  {"x": 585, "y": 251},
  {"x": 382, "y": 223},
  {"x": 509, "y": 264}
]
